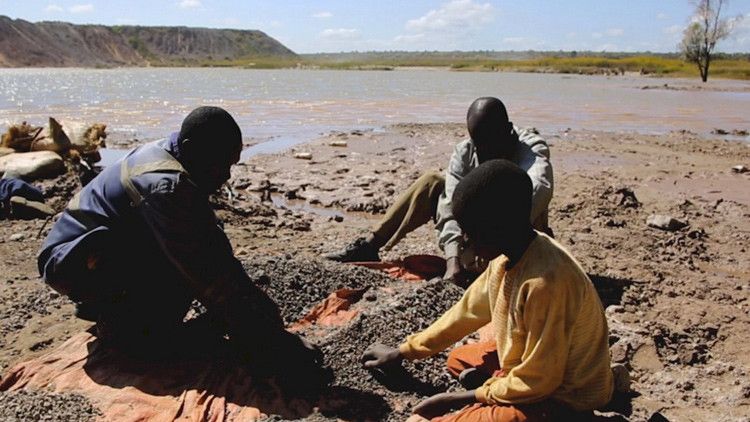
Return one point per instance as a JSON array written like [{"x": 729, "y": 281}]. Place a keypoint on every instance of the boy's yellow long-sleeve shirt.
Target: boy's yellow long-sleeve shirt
[{"x": 552, "y": 336}]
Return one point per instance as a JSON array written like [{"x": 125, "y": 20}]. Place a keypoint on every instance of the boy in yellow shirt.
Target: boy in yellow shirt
[{"x": 550, "y": 359}]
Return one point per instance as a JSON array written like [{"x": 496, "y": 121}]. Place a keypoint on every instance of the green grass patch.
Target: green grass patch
[{"x": 657, "y": 65}]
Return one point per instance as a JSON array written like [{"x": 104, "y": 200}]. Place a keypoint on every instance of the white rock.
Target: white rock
[
  {"x": 664, "y": 222},
  {"x": 303, "y": 155},
  {"x": 31, "y": 165},
  {"x": 739, "y": 169},
  {"x": 338, "y": 144}
]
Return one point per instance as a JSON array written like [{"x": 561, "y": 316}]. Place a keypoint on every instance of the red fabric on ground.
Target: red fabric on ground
[
  {"x": 411, "y": 268},
  {"x": 126, "y": 390},
  {"x": 332, "y": 311}
]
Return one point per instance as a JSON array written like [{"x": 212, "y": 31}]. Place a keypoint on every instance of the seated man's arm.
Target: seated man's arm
[
  {"x": 534, "y": 158},
  {"x": 466, "y": 316},
  {"x": 450, "y": 238},
  {"x": 545, "y": 354},
  {"x": 186, "y": 228}
]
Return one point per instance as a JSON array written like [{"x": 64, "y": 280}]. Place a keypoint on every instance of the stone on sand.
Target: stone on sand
[
  {"x": 664, "y": 222},
  {"x": 31, "y": 165}
]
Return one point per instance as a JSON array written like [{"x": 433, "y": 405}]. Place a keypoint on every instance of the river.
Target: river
[{"x": 291, "y": 106}]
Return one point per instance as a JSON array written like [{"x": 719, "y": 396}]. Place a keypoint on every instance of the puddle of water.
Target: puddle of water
[
  {"x": 299, "y": 205},
  {"x": 111, "y": 156},
  {"x": 273, "y": 146}
]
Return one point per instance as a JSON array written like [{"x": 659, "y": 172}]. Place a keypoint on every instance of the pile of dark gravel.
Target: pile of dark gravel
[
  {"x": 389, "y": 320},
  {"x": 297, "y": 284},
  {"x": 385, "y": 316},
  {"x": 18, "y": 406}
]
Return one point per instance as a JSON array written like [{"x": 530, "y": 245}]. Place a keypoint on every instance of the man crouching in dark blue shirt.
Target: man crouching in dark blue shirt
[{"x": 140, "y": 242}]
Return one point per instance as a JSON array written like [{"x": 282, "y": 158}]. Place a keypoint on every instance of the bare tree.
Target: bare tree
[{"x": 706, "y": 29}]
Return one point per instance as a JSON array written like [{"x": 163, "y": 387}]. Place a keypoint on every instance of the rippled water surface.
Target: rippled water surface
[{"x": 290, "y": 105}]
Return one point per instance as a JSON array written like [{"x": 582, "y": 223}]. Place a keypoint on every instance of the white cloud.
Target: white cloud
[
  {"x": 672, "y": 30},
  {"x": 614, "y": 32},
  {"x": 452, "y": 26},
  {"x": 455, "y": 14},
  {"x": 596, "y": 35},
  {"x": 742, "y": 23},
  {"x": 190, "y": 4},
  {"x": 81, "y": 8},
  {"x": 571, "y": 35},
  {"x": 230, "y": 21},
  {"x": 53, "y": 8},
  {"x": 409, "y": 38},
  {"x": 661, "y": 16},
  {"x": 340, "y": 34},
  {"x": 322, "y": 15},
  {"x": 741, "y": 34}
]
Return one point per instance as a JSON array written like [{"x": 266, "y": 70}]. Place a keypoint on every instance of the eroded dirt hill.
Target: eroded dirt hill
[{"x": 62, "y": 44}]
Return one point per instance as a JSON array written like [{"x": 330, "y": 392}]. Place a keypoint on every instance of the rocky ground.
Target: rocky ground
[
  {"x": 45, "y": 407},
  {"x": 677, "y": 300}
]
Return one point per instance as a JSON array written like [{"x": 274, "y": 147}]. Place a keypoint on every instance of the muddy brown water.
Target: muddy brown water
[{"x": 291, "y": 106}]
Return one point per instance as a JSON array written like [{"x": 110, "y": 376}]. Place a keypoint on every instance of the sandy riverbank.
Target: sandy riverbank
[{"x": 678, "y": 302}]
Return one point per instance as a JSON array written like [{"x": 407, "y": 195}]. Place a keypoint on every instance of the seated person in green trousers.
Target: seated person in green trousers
[{"x": 492, "y": 136}]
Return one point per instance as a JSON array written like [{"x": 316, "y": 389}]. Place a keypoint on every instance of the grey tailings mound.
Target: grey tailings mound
[
  {"x": 388, "y": 313},
  {"x": 298, "y": 284}
]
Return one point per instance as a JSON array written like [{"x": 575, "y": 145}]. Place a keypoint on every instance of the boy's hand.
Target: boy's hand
[
  {"x": 442, "y": 403},
  {"x": 381, "y": 356}
]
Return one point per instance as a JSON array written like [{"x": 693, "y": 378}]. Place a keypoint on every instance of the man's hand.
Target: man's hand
[
  {"x": 454, "y": 272},
  {"x": 307, "y": 348},
  {"x": 380, "y": 356},
  {"x": 442, "y": 403},
  {"x": 298, "y": 365}
]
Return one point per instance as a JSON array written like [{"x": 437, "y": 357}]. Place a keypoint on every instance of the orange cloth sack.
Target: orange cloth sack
[
  {"x": 332, "y": 311},
  {"x": 201, "y": 389},
  {"x": 411, "y": 268}
]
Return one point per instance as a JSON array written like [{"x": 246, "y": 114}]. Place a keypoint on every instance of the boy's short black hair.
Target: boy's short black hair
[{"x": 493, "y": 198}]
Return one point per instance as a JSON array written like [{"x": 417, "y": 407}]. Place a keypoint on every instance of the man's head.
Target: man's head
[
  {"x": 490, "y": 129},
  {"x": 210, "y": 143},
  {"x": 492, "y": 205}
]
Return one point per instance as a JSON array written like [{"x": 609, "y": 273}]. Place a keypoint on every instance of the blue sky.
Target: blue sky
[{"x": 347, "y": 25}]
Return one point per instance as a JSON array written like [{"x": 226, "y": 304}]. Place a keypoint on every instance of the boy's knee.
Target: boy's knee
[
  {"x": 455, "y": 364},
  {"x": 431, "y": 178}
]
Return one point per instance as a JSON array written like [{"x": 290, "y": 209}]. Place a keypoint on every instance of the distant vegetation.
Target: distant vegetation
[{"x": 734, "y": 66}]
